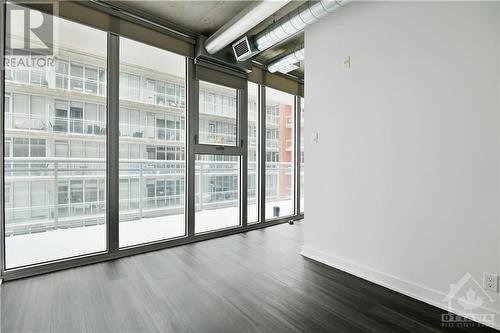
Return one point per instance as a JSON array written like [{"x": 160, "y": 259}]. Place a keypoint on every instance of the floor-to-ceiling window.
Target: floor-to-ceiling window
[
  {"x": 170, "y": 188},
  {"x": 253, "y": 153},
  {"x": 55, "y": 139},
  {"x": 279, "y": 153},
  {"x": 152, "y": 119}
]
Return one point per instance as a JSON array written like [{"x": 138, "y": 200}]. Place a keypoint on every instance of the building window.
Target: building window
[
  {"x": 38, "y": 148},
  {"x": 20, "y": 110},
  {"x": 61, "y": 148},
  {"x": 160, "y": 129},
  {"x": 160, "y": 153},
  {"x": 61, "y": 119},
  {"x": 76, "y": 149},
  {"x": 76, "y": 117},
  {"x": 149, "y": 91},
  {"x": 7, "y": 103},
  {"x": 62, "y": 74},
  {"x": 76, "y": 72},
  {"x": 6, "y": 149},
  {"x": 130, "y": 86},
  {"x": 21, "y": 147},
  {"x": 102, "y": 82},
  {"x": 150, "y": 152},
  {"x": 38, "y": 78},
  {"x": 22, "y": 76},
  {"x": 9, "y": 75},
  {"x": 160, "y": 93},
  {"x": 91, "y": 124},
  {"x": 134, "y": 87},
  {"x": 91, "y": 79}
]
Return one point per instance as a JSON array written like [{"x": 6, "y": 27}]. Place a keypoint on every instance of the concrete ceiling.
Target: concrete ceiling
[
  {"x": 206, "y": 17},
  {"x": 274, "y": 52}
]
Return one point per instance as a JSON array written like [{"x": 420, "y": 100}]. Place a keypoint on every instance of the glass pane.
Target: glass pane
[
  {"x": 152, "y": 164},
  {"x": 302, "y": 155},
  {"x": 218, "y": 115},
  {"x": 279, "y": 154},
  {"x": 217, "y": 201},
  {"x": 253, "y": 140},
  {"x": 49, "y": 213}
]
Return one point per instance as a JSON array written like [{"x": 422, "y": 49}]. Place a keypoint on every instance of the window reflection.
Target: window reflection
[
  {"x": 152, "y": 144},
  {"x": 54, "y": 152},
  {"x": 279, "y": 154}
]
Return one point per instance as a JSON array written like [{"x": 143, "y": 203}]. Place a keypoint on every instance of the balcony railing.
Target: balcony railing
[
  {"x": 20, "y": 121},
  {"x": 72, "y": 191},
  {"x": 218, "y": 138}
]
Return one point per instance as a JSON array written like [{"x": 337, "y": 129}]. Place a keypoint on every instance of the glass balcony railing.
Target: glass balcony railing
[
  {"x": 279, "y": 189},
  {"x": 218, "y": 138},
  {"x": 19, "y": 121},
  {"x": 51, "y": 193}
]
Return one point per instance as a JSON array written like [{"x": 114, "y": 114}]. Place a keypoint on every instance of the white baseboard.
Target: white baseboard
[{"x": 408, "y": 288}]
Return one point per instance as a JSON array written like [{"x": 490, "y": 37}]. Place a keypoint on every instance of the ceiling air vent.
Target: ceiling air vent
[
  {"x": 224, "y": 57},
  {"x": 243, "y": 50}
]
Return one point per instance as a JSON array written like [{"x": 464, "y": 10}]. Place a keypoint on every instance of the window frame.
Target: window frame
[{"x": 191, "y": 93}]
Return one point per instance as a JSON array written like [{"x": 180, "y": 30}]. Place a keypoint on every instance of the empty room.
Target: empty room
[{"x": 249, "y": 166}]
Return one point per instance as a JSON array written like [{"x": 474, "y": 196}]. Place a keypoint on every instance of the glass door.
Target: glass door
[{"x": 220, "y": 155}]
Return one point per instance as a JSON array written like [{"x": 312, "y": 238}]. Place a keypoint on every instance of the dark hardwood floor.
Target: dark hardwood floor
[{"x": 252, "y": 282}]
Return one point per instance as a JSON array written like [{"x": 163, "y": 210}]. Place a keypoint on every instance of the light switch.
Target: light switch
[
  {"x": 315, "y": 137},
  {"x": 347, "y": 62}
]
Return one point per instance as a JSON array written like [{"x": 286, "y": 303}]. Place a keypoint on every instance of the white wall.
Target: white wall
[{"x": 403, "y": 186}]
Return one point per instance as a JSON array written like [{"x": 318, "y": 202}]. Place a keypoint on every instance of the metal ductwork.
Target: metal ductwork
[
  {"x": 248, "y": 18},
  {"x": 285, "y": 63},
  {"x": 296, "y": 21},
  {"x": 224, "y": 57}
]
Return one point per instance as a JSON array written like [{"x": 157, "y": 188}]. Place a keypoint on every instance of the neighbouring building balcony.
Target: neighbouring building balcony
[{"x": 43, "y": 193}]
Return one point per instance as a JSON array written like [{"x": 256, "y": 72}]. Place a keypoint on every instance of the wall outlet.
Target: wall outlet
[
  {"x": 347, "y": 62},
  {"x": 490, "y": 282},
  {"x": 315, "y": 137}
]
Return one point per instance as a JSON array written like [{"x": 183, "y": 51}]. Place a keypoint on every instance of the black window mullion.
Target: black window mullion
[
  {"x": 297, "y": 152},
  {"x": 243, "y": 132},
  {"x": 2, "y": 105},
  {"x": 112, "y": 151},
  {"x": 192, "y": 118},
  {"x": 262, "y": 152}
]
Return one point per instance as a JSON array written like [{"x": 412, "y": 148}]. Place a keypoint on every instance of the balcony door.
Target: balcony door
[{"x": 219, "y": 155}]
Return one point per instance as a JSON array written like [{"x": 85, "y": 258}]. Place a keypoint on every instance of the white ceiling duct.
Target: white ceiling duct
[
  {"x": 296, "y": 21},
  {"x": 284, "y": 63},
  {"x": 289, "y": 68},
  {"x": 248, "y": 18}
]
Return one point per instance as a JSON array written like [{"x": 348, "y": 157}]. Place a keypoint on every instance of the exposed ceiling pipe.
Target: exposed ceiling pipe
[
  {"x": 289, "y": 58},
  {"x": 296, "y": 21},
  {"x": 245, "y": 20}
]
